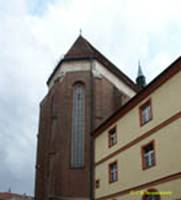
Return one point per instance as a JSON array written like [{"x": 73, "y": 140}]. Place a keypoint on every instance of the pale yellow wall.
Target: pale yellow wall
[
  {"x": 167, "y": 148},
  {"x": 166, "y": 101},
  {"x": 173, "y": 187}
]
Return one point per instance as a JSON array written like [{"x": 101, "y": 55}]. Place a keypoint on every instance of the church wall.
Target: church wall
[
  {"x": 56, "y": 178},
  {"x": 66, "y": 183},
  {"x": 71, "y": 66},
  {"x": 107, "y": 99},
  {"x": 42, "y": 149},
  {"x": 101, "y": 70}
]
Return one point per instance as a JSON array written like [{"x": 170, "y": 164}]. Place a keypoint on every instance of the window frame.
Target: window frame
[
  {"x": 112, "y": 131},
  {"x": 109, "y": 168},
  {"x": 144, "y": 167},
  {"x": 141, "y": 109}
]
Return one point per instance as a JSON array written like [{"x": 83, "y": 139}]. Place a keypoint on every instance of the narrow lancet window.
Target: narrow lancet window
[{"x": 78, "y": 126}]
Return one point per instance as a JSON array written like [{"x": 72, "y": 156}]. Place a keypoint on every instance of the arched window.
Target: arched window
[
  {"x": 151, "y": 194},
  {"x": 78, "y": 126}
]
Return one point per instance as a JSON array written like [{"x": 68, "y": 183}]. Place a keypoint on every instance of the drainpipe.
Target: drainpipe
[{"x": 91, "y": 151}]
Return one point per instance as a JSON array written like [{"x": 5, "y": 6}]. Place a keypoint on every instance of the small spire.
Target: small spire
[
  {"x": 140, "y": 80},
  {"x": 140, "y": 73}
]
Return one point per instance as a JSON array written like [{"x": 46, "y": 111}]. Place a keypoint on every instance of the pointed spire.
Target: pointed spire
[
  {"x": 140, "y": 80},
  {"x": 140, "y": 72}
]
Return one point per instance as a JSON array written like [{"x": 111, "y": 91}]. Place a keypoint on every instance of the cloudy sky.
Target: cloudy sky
[{"x": 34, "y": 34}]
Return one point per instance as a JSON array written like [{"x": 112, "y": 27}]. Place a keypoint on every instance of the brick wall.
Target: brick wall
[{"x": 54, "y": 176}]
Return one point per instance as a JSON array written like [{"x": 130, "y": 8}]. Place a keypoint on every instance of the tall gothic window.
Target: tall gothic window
[{"x": 78, "y": 125}]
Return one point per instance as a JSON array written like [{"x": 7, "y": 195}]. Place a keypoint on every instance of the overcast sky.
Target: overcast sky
[{"x": 34, "y": 34}]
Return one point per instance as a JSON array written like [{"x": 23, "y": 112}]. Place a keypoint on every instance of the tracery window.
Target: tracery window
[{"x": 78, "y": 126}]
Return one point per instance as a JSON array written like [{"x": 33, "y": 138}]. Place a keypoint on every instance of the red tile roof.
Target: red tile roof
[
  {"x": 7, "y": 195},
  {"x": 80, "y": 48}
]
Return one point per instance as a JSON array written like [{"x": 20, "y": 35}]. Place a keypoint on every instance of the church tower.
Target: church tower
[{"x": 85, "y": 88}]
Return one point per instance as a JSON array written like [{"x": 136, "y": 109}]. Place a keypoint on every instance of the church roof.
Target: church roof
[{"x": 82, "y": 49}]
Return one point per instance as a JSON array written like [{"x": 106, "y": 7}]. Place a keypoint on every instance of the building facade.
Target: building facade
[
  {"x": 84, "y": 89},
  {"x": 137, "y": 150}
]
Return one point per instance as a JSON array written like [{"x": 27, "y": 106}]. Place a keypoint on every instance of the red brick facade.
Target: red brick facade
[{"x": 55, "y": 179}]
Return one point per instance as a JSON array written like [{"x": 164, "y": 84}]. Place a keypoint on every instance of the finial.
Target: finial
[{"x": 80, "y": 31}]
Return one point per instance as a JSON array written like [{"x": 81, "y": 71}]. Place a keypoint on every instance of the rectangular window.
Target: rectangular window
[
  {"x": 113, "y": 172},
  {"x": 112, "y": 137},
  {"x": 97, "y": 184},
  {"x": 145, "y": 111},
  {"x": 148, "y": 155}
]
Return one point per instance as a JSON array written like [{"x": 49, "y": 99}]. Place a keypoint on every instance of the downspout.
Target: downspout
[{"x": 91, "y": 151}]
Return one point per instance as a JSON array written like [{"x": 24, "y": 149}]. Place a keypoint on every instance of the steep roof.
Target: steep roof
[{"x": 82, "y": 49}]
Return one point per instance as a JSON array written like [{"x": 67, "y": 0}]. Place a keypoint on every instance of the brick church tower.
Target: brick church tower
[{"x": 85, "y": 88}]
